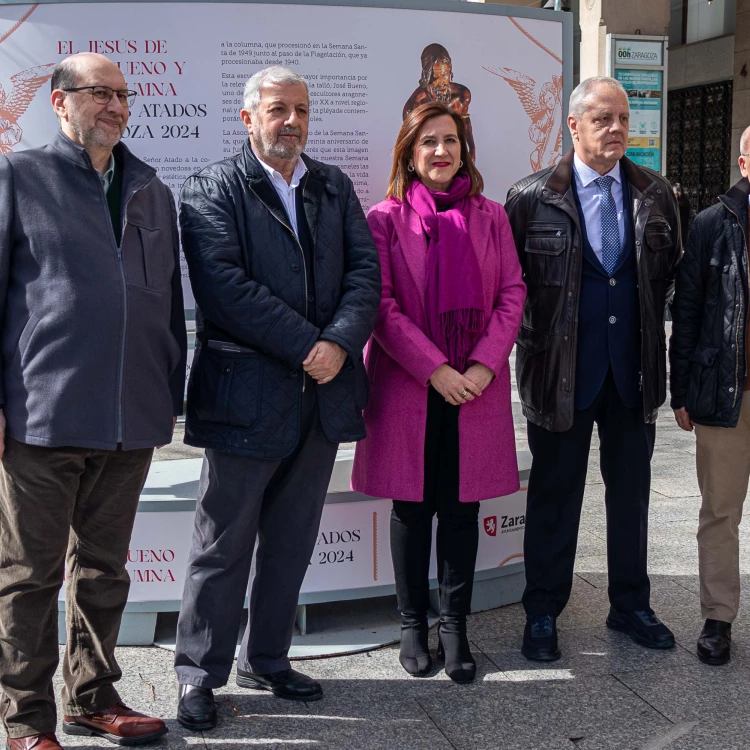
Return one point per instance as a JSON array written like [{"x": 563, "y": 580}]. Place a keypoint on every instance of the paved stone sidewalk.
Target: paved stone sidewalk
[{"x": 606, "y": 693}]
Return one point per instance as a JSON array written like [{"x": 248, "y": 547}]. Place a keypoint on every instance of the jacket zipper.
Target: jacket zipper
[
  {"x": 121, "y": 268},
  {"x": 739, "y": 319},
  {"x": 301, "y": 252}
]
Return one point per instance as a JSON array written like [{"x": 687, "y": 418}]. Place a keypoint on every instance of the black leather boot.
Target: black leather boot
[
  {"x": 453, "y": 648},
  {"x": 715, "y": 642},
  {"x": 411, "y": 539},
  {"x": 415, "y": 653},
  {"x": 457, "y": 542}
]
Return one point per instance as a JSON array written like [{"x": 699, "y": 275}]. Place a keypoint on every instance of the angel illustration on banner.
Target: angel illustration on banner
[
  {"x": 24, "y": 86},
  {"x": 542, "y": 103}
]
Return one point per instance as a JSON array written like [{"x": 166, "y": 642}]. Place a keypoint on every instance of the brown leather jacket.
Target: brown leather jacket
[{"x": 547, "y": 230}]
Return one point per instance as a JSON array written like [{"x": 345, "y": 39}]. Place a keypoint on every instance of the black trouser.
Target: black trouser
[
  {"x": 241, "y": 499},
  {"x": 457, "y": 531},
  {"x": 555, "y": 497}
]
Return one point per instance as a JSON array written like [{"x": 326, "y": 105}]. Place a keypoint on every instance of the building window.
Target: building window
[{"x": 697, "y": 20}]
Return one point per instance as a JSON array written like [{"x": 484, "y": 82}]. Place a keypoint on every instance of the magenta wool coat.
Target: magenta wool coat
[{"x": 400, "y": 358}]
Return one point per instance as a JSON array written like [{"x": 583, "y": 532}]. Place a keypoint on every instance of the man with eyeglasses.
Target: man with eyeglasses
[
  {"x": 710, "y": 380},
  {"x": 92, "y": 367}
]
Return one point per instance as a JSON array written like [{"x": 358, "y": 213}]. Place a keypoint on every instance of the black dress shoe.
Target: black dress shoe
[
  {"x": 540, "y": 638},
  {"x": 196, "y": 709},
  {"x": 643, "y": 626},
  {"x": 288, "y": 684},
  {"x": 414, "y": 655},
  {"x": 715, "y": 642}
]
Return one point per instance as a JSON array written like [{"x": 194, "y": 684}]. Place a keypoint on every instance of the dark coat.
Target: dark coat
[
  {"x": 93, "y": 335},
  {"x": 547, "y": 230},
  {"x": 248, "y": 276},
  {"x": 709, "y": 313}
]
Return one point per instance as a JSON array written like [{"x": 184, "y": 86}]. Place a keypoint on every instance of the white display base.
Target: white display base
[
  {"x": 337, "y": 628},
  {"x": 351, "y": 564}
]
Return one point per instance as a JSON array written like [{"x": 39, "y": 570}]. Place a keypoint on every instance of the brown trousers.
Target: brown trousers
[
  {"x": 63, "y": 511},
  {"x": 723, "y": 463}
]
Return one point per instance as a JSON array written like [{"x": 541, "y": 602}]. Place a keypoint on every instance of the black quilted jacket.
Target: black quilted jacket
[
  {"x": 707, "y": 349},
  {"x": 247, "y": 272}
]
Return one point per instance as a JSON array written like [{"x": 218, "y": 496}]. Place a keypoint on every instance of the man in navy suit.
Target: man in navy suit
[{"x": 599, "y": 239}]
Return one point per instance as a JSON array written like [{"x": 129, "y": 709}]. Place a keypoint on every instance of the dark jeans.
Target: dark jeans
[
  {"x": 241, "y": 499},
  {"x": 556, "y": 487},
  {"x": 63, "y": 511},
  {"x": 457, "y": 531}
]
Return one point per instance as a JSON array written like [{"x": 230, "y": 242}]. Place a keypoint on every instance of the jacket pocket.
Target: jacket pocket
[
  {"x": 153, "y": 257},
  {"x": 703, "y": 382},
  {"x": 546, "y": 243},
  {"x": 658, "y": 236},
  {"x": 145, "y": 254},
  {"x": 531, "y": 368},
  {"x": 26, "y": 335},
  {"x": 225, "y": 387}
]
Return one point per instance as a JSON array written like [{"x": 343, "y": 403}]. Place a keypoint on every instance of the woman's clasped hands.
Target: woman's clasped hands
[{"x": 458, "y": 389}]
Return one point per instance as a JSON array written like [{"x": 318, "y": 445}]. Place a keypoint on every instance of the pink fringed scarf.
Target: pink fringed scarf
[{"x": 455, "y": 301}]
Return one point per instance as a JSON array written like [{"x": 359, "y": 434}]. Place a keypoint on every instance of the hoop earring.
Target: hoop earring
[
  {"x": 460, "y": 164},
  {"x": 410, "y": 167}
]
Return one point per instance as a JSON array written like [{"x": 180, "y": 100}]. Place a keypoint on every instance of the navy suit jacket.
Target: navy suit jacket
[{"x": 608, "y": 320}]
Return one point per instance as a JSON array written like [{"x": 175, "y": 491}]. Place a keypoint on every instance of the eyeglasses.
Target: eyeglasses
[{"x": 104, "y": 94}]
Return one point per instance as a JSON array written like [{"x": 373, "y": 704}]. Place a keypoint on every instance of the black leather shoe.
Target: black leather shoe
[
  {"x": 196, "y": 709},
  {"x": 715, "y": 642},
  {"x": 540, "y": 638},
  {"x": 288, "y": 684},
  {"x": 643, "y": 626},
  {"x": 414, "y": 655}
]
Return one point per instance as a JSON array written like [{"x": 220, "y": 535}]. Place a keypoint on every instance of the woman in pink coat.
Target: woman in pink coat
[{"x": 439, "y": 422}]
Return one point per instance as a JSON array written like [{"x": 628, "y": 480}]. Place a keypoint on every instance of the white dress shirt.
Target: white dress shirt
[
  {"x": 590, "y": 197},
  {"x": 287, "y": 192}
]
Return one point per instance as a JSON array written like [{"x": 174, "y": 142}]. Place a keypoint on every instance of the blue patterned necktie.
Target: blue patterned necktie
[{"x": 610, "y": 230}]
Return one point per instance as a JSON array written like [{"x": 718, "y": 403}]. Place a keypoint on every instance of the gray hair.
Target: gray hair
[
  {"x": 578, "y": 104},
  {"x": 275, "y": 74},
  {"x": 65, "y": 74}
]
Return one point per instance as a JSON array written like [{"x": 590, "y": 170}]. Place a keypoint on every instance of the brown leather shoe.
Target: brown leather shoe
[
  {"x": 34, "y": 742},
  {"x": 118, "y": 724}
]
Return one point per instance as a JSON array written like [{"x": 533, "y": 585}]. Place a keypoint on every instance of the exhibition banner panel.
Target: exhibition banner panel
[
  {"x": 367, "y": 67},
  {"x": 352, "y": 550}
]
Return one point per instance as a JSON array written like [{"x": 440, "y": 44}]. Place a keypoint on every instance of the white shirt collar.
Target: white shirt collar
[
  {"x": 587, "y": 175},
  {"x": 275, "y": 175}
]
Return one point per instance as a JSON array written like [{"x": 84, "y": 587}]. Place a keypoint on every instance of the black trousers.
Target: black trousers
[
  {"x": 555, "y": 497},
  {"x": 242, "y": 499},
  {"x": 457, "y": 531}
]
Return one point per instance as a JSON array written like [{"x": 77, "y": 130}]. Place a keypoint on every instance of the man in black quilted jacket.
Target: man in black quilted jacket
[
  {"x": 287, "y": 285},
  {"x": 709, "y": 379}
]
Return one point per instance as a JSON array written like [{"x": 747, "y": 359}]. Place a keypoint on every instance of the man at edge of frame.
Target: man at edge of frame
[
  {"x": 92, "y": 374},
  {"x": 710, "y": 380}
]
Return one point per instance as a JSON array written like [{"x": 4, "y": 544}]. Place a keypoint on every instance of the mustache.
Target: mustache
[
  {"x": 291, "y": 131},
  {"x": 116, "y": 118}
]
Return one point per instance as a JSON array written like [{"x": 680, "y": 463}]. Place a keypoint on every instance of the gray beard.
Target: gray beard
[
  {"x": 265, "y": 145},
  {"x": 93, "y": 138}
]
